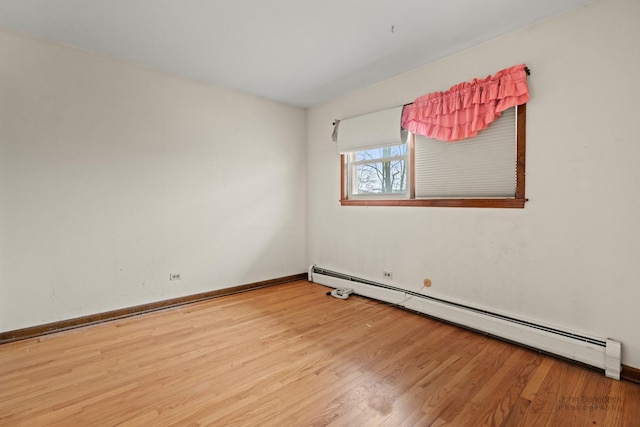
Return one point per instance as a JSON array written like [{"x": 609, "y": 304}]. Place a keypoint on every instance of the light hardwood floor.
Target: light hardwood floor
[{"x": 289, "y": 355}]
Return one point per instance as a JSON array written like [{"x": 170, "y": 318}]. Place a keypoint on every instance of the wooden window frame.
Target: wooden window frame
[{"x": 517, "y": 202}]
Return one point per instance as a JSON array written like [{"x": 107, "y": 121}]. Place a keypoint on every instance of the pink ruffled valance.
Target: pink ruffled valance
[{"x": 466, "y": 108}]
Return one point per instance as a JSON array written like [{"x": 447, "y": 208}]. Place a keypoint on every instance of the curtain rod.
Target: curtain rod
[{"x": 526, "y": 70}]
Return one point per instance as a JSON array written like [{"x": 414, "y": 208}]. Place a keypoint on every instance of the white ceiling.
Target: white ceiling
[{"x": 301, "y": 52}]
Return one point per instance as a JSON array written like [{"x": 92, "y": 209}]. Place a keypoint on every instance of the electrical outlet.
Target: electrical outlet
[
  {"x": 175, "y": 276},
  {"x": 387, "y": 274}
]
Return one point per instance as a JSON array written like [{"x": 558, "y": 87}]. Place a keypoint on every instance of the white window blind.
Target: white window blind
[
  {"x": 480, "y": 167},
  {"x": 374, "y": 130}
]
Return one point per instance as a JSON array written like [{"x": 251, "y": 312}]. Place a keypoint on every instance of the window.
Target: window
[
  {"x": 379, "y": 172},
  {"x": 485, "y": 171}
]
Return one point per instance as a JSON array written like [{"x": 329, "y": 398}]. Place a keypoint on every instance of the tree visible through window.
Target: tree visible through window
[{"x": 379, "y": 171}]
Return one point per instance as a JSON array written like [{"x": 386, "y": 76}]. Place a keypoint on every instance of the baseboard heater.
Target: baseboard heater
[{"x": 601, "y": 353}]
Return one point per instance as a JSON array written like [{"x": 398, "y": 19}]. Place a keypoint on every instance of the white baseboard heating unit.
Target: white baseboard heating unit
[{"x": 601, "y": 353}]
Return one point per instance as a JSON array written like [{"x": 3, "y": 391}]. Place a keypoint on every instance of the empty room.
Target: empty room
[{"x": 319, "y": 213}]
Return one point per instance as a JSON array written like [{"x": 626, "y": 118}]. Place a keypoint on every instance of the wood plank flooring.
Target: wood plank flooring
[{"x": 289, "y": 355}]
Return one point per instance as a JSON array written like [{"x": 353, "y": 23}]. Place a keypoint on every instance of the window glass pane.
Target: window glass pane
[
  {"x": 388, "y": 177},
  {"x": 382, "y": 152}
]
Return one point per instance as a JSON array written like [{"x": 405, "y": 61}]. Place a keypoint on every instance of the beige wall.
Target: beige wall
[
  {"x": 570, "y": 258},
  {"x": 112, "y": 176}
]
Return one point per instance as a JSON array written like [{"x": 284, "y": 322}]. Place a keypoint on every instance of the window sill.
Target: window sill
[{"x": 446, "y": 203}]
